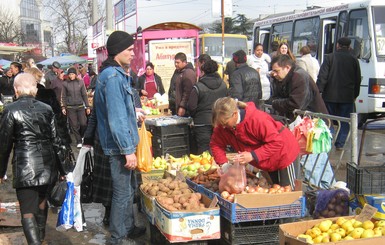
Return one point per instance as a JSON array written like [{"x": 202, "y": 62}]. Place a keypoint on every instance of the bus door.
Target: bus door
[
  {"x": 327, "y": 38},
  {"x": 261, "y": 36}
]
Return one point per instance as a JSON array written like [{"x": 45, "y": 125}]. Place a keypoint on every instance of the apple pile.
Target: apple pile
[
  {"x": 159, "y": 163},
  {"x": 343, "y": 229}
]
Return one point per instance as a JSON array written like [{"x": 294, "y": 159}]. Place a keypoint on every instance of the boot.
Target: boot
[
  {"x": 106, "y": 219},
  {"x": 31, "y": 231},
  {"x": 41, "y": 220}
]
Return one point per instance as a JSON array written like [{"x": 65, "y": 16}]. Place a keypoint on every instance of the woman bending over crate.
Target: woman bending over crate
[{"x": 259, "y": 139}]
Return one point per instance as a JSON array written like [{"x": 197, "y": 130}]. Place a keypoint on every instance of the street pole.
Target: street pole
[{"x": 223, "y": 35}]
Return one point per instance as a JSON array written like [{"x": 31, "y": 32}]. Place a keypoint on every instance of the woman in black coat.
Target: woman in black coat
[{"x": 27, "y": 127}]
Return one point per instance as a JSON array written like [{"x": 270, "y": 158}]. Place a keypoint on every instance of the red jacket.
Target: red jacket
[{"x": 273, "y": 144}]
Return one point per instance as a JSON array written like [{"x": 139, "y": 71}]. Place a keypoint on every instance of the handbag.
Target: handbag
[
  {"x": 58, "y": 193},
  {"x": 66, "y": 157},
  {"x": 86, "y": 188}
]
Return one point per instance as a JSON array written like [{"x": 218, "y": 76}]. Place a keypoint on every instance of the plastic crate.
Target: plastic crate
[
  {"x": 170, "y": 140},
  {"x": 236, "y": 214},
  {"x": 173, "y": 151},
  {"x": 365, "y": 179},
  {"x": 169, "y": 129},
  {"x": 194, "y": 186},
  {"x": 257, "y": 232}
]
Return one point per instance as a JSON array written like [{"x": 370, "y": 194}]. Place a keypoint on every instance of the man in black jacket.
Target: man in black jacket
[
  {"x": 245, "y": 83},
  {"x": 339, "y": 81}
]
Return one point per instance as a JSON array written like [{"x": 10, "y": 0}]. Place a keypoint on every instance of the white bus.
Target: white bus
[{"x": 363, "y": 22}]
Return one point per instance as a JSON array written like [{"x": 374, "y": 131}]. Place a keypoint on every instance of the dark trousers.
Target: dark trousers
[
  {"x": 202, "y": 136},
  {"x": 78, "y": 122},
  {"x": 30, "y": 197},
  {"x": 341, "y": 110},
  {"x": 284, "y": 176}
]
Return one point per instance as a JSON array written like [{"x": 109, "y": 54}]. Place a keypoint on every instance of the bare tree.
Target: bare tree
[
  {"x": 10, "y": 30},
  {"x": 70, "y": 20}
]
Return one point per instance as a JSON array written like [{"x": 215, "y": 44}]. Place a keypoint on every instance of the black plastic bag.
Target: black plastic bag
[
  {"x": 58, "y": 193},
  {"x": 86, "y": 188}
]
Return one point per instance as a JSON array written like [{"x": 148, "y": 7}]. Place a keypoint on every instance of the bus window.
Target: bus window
[
  {"x": 306, "y": 34},
  {"x": 379, "y": 27},
  {"x": 281, "y": 32},
  {"x": 358, "y": 32},
  {"x": 264, "y": 40},
  {"x": 329, "y": 36},
  {"x": 342, "y": 24}
]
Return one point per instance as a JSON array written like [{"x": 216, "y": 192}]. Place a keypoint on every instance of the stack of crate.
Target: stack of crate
[{"x": 171, "y": 139}]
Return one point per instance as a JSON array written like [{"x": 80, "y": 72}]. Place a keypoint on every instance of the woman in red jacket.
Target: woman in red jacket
[{"x": 259, "y": 139}]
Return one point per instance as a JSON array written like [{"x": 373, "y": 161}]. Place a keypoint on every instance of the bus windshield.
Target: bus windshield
[
  {"x": 213, "y": 45},
  {"x": 379, "y": 27}
]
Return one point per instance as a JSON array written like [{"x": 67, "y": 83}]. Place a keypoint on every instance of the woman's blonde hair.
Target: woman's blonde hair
[
  {"x": 224, "y": 108},
  {"x": 25, "y": 84},
  {"x": 35, "y": 72}
]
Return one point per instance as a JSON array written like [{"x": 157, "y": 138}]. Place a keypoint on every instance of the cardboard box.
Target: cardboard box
[
  {"x": 185, "y": 226},
  {"x": 289, "y": 232},
  {"x": 148, "y": 201},
  {"x": 258, "y": 200},
  {"x": 357, "y": 202}
]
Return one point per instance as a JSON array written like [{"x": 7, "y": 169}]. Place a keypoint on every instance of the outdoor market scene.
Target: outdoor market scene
[{"x": 225, "y": 122}]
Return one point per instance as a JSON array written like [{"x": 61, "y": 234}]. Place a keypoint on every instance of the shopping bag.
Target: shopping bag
[
  {"x": 301, "y": 133},
  {"x": 87, "y": 179},
  {"x": 233, "y": 180},
  {"x": 78, "y": 212},
  {"x": 58, "y": 193},
  {"x": 66, "y": 215},
  {"x": 143, "y": 151}
]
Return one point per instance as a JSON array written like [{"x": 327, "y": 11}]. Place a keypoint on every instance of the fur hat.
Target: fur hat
[
  {"x": 344, "y": 41},
  {"x": 240, "y": 57},
  {"x": 56, "y": 64},
  {"x": 72, "y": 70},
  {"x": 118, "y": 41}
]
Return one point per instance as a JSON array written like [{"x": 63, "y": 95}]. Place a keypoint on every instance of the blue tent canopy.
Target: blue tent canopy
[{"x": 4, "y": 63}]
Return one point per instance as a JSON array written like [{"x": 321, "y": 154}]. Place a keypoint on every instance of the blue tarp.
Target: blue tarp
[{"x": 64, "y": 60}]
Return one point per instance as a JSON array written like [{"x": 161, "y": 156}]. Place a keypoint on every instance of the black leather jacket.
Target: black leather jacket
[{"x": 28, "y": 126}]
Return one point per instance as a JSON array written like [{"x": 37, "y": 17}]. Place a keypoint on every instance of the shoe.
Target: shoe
[
  {"x": 41, "y": 220},
  {"x": 339, "y": 148},
  {"x": 106, "y": 219},
  {"x": 137, "y": 232},
  {"x": 79, "y": 145},
  {"x": 31, "y": 231}
]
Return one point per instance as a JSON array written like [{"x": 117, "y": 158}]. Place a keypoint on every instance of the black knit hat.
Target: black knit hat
[
  {"x": 72, "y": 70},
  {"x": 344, "y": 41},
  {"x": 118, "y": 41},
  {"x": 240, "y": 57}
]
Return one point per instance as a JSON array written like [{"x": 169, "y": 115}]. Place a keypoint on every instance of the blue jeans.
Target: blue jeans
[
  {"x": 341, "y": 110},
  {"x": 122, "y": 216}
]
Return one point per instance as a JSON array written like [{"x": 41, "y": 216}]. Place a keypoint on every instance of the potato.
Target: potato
[
  {"x": 164, "y": 189},
  {"x": 152, "y": 192},
  {"x": 177, "y": 205},
  {"x": 176, "y": 192},
  {"x": 182, "y": 199},
  {"x": 183, "y": 185},
  {"x": 185, "y": 191}
]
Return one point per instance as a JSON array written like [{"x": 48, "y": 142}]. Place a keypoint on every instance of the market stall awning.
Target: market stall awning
[
  {"x": 7, "y": 50},
  {"x": 64, "y": 60}
]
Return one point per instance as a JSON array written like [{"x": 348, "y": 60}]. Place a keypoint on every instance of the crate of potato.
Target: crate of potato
[{"x": 167, "y": 187}]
